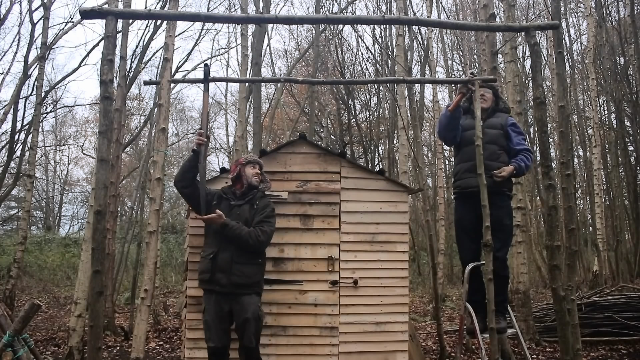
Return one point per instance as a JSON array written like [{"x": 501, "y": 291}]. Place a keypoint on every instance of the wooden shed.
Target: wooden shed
[{"x": 337, "y": 221}]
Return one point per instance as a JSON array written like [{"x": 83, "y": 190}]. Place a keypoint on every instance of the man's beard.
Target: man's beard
[{"x": 253, "y": 182}]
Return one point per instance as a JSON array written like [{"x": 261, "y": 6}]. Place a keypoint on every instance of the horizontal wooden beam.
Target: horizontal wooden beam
[
  {"x": 310, "y": 81},
  {"x": 91, "y": 13}
]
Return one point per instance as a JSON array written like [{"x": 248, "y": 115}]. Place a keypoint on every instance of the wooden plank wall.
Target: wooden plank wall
[
  {"x": 374, "y": 247},
  {"x": 301, "y": 321}
]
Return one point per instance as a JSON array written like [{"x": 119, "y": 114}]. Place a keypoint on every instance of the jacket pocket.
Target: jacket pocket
[
  {"x": 205, "y": 267},
  {"x": 247, "y": 269}
]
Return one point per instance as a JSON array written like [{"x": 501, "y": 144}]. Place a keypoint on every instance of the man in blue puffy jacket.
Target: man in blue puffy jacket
[{"x": 506, "y": 156}]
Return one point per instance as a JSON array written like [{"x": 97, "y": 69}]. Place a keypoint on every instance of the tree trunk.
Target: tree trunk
[
  {"x": 141, "y": 191},
  {"x": 143, "y": 181},
  {"x": 156, "y": 192},
  {"x": 240, "y": 140},
  {"x": 565, "y": 140},
  {"x": 9, "y": 294},
  {"x": 440, "y": 180},
  {"x": 79, "y": 306},
  {"x": 259, "y": 33},
  {"x": 136, "y": 263},
  {"x": 103, "y": 161},
  {"x": 596, "y": 151},
  {"x": 550, "y": 205},
  {"x": 119, "y": 117},
  {"x": 313, "y": 90},
  {"x": 403, "y": 119},
  {"x": 522, "y": 286}
]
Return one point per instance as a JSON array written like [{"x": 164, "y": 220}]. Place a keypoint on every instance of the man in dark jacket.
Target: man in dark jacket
[
  {"x": 506, "y": 156},
  {"x": 240, "y": 221}
]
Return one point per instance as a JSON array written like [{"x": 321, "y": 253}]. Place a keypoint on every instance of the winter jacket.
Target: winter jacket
[
  {"x": 233, "y": 259},
  {"x": 504, "y": 144}
]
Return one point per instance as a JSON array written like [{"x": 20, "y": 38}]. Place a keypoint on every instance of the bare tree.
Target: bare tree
[
  {"x": 257, "y": 44},
  {"x": 156, "y": 191},
  {"x": 550, "y": 211},
  {"x": 240, "y": 140},
  {"x": 522, "y": 287},
  {"x": 403, "y": 119},
  {"x": 9, "y": 293},
  {"x": 103, "y": 161},
  {"x": 119, "y": 116},
  {"x": 565, "y": 140},
  {"x": 596, "y": 151}
]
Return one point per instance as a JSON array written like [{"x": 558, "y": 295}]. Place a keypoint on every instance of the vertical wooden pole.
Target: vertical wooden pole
[
  {"x": 204, "y": 125},
  {"x": 487, "y": 242}
]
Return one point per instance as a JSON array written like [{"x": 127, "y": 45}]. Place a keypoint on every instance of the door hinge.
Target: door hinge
[{"x": 331, "y": 262}]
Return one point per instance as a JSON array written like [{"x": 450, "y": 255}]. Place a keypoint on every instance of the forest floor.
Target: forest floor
[
  {"x": 49, "y": 330},
  {"x": 420, "y": 310}
]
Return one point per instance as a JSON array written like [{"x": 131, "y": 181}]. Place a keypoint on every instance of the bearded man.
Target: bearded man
[{"x": 240, "y": 221}]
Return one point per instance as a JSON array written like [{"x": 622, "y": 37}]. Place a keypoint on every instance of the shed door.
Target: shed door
[
  {"x": 374, "y": 250},
  {"x": 301, "y": 321}
]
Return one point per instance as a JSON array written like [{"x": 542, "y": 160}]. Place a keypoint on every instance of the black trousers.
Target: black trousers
[
  {"x": 468, "y": 225},
  {"x": 220, "y": 312}
]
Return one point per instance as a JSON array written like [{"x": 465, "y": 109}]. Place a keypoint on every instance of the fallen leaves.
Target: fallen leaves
[
  {"x": 164, "y": 342},
  {"x": 49, "y": 328},
  {"x": 420, "y": 307}
]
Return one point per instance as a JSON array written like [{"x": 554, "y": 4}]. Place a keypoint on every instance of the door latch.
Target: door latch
[
  {"x": 353, "y": 282},
  {"x": 331, "y": 262}
]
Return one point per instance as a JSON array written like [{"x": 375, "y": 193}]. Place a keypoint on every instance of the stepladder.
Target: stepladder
[{"x": 463, "y": 337}]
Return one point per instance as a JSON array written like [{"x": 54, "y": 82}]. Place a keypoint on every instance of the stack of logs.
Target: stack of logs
[
  {"x": 603, "y": 314},
  {"x": 14, "y": 344}
]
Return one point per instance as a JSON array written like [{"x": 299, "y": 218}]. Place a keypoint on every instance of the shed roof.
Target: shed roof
[{"x": 302, "y": 137}]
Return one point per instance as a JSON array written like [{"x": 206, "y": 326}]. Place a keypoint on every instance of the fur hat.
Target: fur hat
[
  {"x": 237, "y": 171},
  {"x": 499, "y": 103}
]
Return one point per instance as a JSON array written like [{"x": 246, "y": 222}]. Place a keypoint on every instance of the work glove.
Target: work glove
[{"x": 466, "y": 89}]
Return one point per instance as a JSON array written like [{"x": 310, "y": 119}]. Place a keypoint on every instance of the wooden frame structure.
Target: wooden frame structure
[
  {"x": 334, "y": 351},
  {"x": 12, "y": 329}
]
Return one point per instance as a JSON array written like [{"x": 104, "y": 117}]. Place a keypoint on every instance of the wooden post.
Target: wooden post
[
  {"x": 93, "y": 13},
  {"x": 34, "y": 352},
  {"x": 312, "y": 81},
  {"x": 30, "y": 310},
  {"x": 487, "y": 242},
  {"x": 204, "y": 126},
  {"x": 14, "y": 330}
]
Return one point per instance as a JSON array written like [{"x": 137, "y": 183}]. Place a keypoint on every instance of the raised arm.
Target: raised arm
[
  {"x": 521, "y": 154},
  {"x": 187, "y": 184},
  {"x": 259, "y": 235},
  {"x": 449, "y": 126}
]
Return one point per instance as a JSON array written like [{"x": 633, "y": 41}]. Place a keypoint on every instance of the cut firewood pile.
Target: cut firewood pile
[{"x": 603, "y": 314}]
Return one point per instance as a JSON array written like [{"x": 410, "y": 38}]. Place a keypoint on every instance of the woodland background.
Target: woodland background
[{"x": 577, "y": 100}]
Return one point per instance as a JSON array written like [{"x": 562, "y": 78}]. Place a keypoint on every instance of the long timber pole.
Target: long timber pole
[
  {"x": 93, "y": 13},
  {"x": 204, "y": 126},
  {"x": 311, "y": 81}
]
